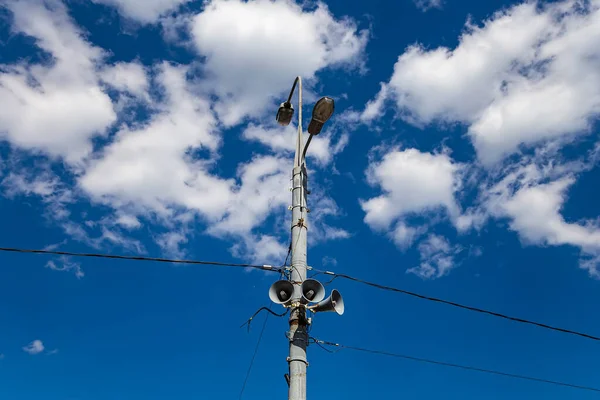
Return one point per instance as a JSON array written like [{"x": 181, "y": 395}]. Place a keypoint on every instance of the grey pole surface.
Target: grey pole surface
[{"x": 297, "y": 335}]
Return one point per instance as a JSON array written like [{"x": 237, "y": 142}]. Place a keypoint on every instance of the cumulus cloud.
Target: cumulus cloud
[
  {"x": 35, "y": 347},
  {"x": 58, "y": 106},
  {"x": 260, "y": 248},
  {"x": 412, "y": 182},
  {"x": 535, "y": 214},
  {"x": 254, "y": 48},
  {"x": 260, "y": 190},
  {"x": 147, "y": 11},
  {"x": 150, "y": 165},
  {"x": 281, "y": 140},
  {"x": 530, "y": 73},
  {"x": 126, "y": 77},
  {"x": 161, "y": 170},
  {"x": 531, "y": 196}
]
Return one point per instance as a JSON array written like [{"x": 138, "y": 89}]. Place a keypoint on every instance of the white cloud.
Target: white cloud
[
  {"x": 260, "y": 193},
  {"x": 161, "y": 170},
  {"x": 58, "y": 198},
  {"x": 535, "y": 214},
  {"x": 260, "y": 249},
  {"x": 34, "y": 347},
  {"x": 412, "y": 182},
  {"x": 43, "y": 185},
  {"x": 171, "y": 243},
  {"x": 65, "y": 264},
  {"x": 148, "y": 167},
  {"x": 531, "y": 196},
  {"x": 262, "y": 189},
  {"x": 146, "y": 11},
  {"x": 254, "y": 49},
  {"x": 40, "y": 182},
  {"x": 425, "y": 5},
  {"x": 282, "y": 140},
  {"x": 128, "y": 221},
  {"x": 404, "y": 235},
  {"x": 437, "y": 257},
  {"x": 374, "y": 108},
  {"x": 528, "y": 74},
  {"x": 55, "y": 246},
  {"x": 127, "y": 77},
  {"x": 58, "y": 106},
  {"x": 321, "y": 208}
]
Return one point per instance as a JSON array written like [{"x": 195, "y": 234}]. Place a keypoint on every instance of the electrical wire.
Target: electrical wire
[
  {"x": 287, "y": 257},
  {"x": 262, "y": 331},
  {"x": 332, "y": 274},
  {"x": 452, "y": 365},
  {"x": 268, "y": 309},
  {"x": 139, "y": 258},
  {"x": 281, "y": 270},
  {"x": 458, "y": 305}
]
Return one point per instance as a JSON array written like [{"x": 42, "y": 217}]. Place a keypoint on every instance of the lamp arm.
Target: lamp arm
[
  {"x": 293, "y": 88},
  {"x": 306, "y": 147}
]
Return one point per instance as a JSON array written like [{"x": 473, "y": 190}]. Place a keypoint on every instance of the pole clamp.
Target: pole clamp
[{"x": 297, "y": 359}]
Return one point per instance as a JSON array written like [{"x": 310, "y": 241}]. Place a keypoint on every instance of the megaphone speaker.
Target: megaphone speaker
[
  {"x": 333, "y": 303},
  {"x": 281, "y": 292},
  {"x": 312, "y": 291}
]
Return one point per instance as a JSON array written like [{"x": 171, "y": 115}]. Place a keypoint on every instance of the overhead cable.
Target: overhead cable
[
  {"x": 453, "y": 365},
  {"x": 458, "y": 305},
  {"x": 140, "y": 258}
]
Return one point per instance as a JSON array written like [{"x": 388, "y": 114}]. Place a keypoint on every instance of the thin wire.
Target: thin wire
[
  {"x": 462, "y": 306},
  {"x": 283, "y": 271},
  {"x": 258, "y": 311},
  {"x": 274, "y": 269},
  {"x": 262, "y": 331},
  {"x": 452, "y": 365},
  {"x": 139, "y": 258}
]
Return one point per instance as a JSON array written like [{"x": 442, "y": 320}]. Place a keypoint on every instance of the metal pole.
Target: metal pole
[{"x": 297, "y": 335}]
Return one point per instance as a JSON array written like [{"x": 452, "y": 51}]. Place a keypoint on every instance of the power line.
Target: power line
[
  {"x": 459, "y": 366},
  {"x": 140, "y": 258},
  {"x": 458, "y": 305},
  {"x": 268, "y": 309},
  {"x": 262, "y": 331},
  {"x": 280, "y": 269}
]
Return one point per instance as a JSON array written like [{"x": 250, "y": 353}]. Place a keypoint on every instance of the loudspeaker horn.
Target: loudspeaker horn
[
  {"x": 312, "y": 291},
  {"x": 281, "y": 292},
  {"x": 332, "y": 303}
]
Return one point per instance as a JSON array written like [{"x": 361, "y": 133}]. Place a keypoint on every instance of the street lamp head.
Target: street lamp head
[
  {"x": 321, "y": 113},
  {"x": 285, "y": 113}
]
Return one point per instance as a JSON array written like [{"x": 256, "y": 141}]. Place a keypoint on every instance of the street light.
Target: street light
[
  {"x": 285, "y": 113},
  {"x": 321, "y": 113}
]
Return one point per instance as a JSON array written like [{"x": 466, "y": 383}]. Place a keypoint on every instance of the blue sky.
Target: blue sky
[{"x": 461, "y": 162}]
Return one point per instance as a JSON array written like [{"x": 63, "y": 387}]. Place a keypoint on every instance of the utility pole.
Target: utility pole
[
  {"x": 297, "y": 334},
  {"x": 297, "y": 292}
]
